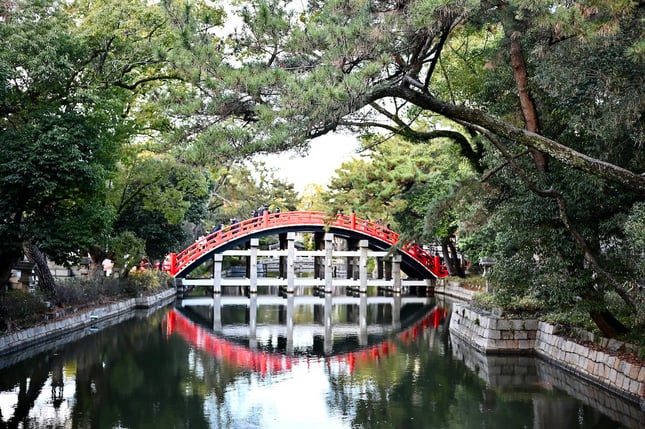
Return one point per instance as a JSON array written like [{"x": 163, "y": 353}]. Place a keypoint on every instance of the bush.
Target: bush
[
  {"x": 526, "y": 305},
  {"x": 75, "y": 293},
  {"x": 21, "y": 307},
  {"x": 147, "y": 282}
]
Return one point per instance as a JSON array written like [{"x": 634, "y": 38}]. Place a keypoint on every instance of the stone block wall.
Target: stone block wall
[
  {"x": 592, "y": 394},
  {"x": 490, "y": 334},
  {"x": 616, "y": 370},
  {"x": 605, "y": 366},
  {"x": 497, "y": 371}
]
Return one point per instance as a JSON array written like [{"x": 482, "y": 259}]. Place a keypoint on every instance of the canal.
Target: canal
[{"x": 299, "y": 362}]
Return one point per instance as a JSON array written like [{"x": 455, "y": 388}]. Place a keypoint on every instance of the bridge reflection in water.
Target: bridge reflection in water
[{"x": 269, "y": 334}]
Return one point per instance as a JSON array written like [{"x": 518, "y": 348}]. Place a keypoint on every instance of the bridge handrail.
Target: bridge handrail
[{"x": 316, "y": 218}]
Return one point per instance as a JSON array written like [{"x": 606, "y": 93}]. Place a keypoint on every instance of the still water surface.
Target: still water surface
[{"x": 303, "y": 362}]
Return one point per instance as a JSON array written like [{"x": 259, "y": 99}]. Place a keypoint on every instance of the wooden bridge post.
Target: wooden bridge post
[
  {"x": 253, "y": 266},
  {"x": 282, "y": 267},
  {"x": 350, "y": 261},
  {"x": 329, "y": 262},
  {"x": 396, "y": 273},
  {"x": 291, "y": 260},
  {"x": 319, "y": 265},
  {"x": 387, "y": 266},
  {"x": 217, "y": 273},
  {"x": 430, "y": 285},
  {"x": 362, "y": 269}
]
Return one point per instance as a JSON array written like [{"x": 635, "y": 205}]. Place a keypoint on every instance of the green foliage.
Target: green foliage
[
  {"x": 403, "y": 184},
  {"x": 515, "y": 306},
  {"x": 58, "y": 138},
  {"x": 20, "y": 307},
  {"x": 126, "y": 250},
  {"x": 71, "y": 74},
  {"x": 147, "y": 282},
  {"x": 154, "y": 196},
  {"x": 634, "y": 228},
  {"x": 242, "y": 188}
]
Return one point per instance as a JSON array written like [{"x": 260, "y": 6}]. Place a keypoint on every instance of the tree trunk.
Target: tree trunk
[
  {"x": 97, "y": 255},
  {"x": 607, "y": 323},
  {"x": 45, "y": 279},
  {"x": 451, "y": 259},
  {"x": 526, "y": 102},
  {"x": 455, "y": 262}
]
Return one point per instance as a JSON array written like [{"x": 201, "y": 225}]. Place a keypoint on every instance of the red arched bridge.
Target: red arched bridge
[{"x": 415, "y": 261}]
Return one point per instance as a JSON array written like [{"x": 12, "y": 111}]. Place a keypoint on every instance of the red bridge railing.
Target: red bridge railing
[{"x": 178, "y": 261}]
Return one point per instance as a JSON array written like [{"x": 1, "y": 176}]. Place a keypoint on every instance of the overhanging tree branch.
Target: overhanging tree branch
[{"x": 526, "y": 138}]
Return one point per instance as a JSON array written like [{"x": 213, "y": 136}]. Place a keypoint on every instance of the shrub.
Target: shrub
[
  {"x": 76, "y": 293},
  {"x": 146, "y": 282},
  {"x": 22, "y": 307}
]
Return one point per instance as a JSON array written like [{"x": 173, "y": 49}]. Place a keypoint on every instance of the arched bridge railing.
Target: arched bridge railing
[{"x": 268, "y": 221}]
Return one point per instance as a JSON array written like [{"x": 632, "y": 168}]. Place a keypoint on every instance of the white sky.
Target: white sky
[{"x": 325, "y": 155}]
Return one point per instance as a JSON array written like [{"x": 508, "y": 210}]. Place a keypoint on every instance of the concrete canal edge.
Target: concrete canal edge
[
  {"x": 601, "y": 362},
  {"x": 48, "y": 332}
]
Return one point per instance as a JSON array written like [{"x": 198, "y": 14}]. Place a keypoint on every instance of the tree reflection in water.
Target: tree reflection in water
[{"x": 167, "y": 370}]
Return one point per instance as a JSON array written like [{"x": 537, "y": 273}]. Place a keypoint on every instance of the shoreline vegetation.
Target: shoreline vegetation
[{"x": 22, "y": 309}]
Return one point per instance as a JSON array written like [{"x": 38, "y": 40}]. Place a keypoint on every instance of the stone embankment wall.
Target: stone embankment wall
[
  {"x": 605, "y": 364},
  {"x": 60, "y": 328},
  {"x": 454, "y": 289}
]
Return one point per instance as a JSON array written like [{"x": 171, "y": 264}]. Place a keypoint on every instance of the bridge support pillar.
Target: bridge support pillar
[
  {"x": 253, "y": 266},
  {"x": 350, "y": 262},
  {"x": 319, "y": 263},
  {"x": 430, "y": 284},
  {"x": 380, "y": 268},
  {"x": 329, "y": 261},
  {"x": 217, "y": 273},
  {"x": 396, "y": 273},
  {"x": 291, "y": 261},
  {"x": 282, "y": 266},
  {"x": 387, "y": 266},
  {"x": 362, "y": 269}
]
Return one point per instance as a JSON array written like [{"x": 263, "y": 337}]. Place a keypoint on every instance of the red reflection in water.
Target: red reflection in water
[
  {"x": 224, "y": 350},
  {"x": 433, "y": 319},
  {"x": 271, "y": 363}
]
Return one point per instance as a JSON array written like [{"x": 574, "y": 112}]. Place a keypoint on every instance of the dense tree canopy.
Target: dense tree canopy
[
  {"x": 534, "y": 91},
  {"x": 59, "y": 137},
  {"x": 540, "y": 99}
]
